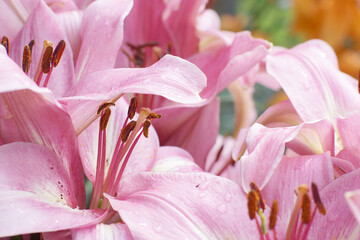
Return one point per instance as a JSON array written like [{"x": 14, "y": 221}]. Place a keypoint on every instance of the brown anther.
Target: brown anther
[
  {"x": 26, "y": 59},
  {"x": 305, "y": 214},
  {"x": 58, "y": 53},
  {"x": 153, "y": 115},
  {"x": 169, "y": 47},
  {"x": 105, "y": 119},
  {"x": 254, "y": 187},
  {"x": 273, "y": 215},
  {"x": 359, "y": 82},
  {"x": 131, "y": 59},
  {"x": 317, "y": 199},
  {"x": 252, "y": 203},
  {"x": 147, "y": 125},
  {"x": 137, "y": 47},
  {"x": 5, "y": 43},
  {"x": 31, "y": 44},
  {"x": 45, "y": 63},
  {"x": 104, "y": 106},
  {"x": 125, "y": 132},
  {"x": 132, "y": 107}
]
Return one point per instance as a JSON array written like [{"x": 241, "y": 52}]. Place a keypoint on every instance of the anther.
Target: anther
[
  {"x": 254, "y": 187},
  {"x": 125, "y": 132},
  {"x": 252, "y": 203},
  {"x": 58, "y": 53},
  {"x": 273, "y": 215},
  {"x": 105, "y": 119},
  {"x": 26, "y": 59},
  {"x": 104, "y": 106},
  {"x": 45, "y": 64},
  {"x": 147, "y": 125},
  {"x": 132, "y": 107},
  {"x": 305, "y": 214},
  {"x": 153, "y": 116},
  {"x": 31, "y": 45},
  {"x": 317, "y": 199},
  {"x": 5, "y": 43}
]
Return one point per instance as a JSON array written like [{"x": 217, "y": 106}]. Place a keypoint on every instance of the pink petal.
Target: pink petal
[
  {"x": 337, "y": 210},
  {"x": 188, "y": 205},
  {"x": 292, "y": 172},
  {"x": 36, "y": 193},
  {"x": 62, "y": 77},
  {"x": 99, "y": 29},
  {"x": 13, "y": 15},
  {"x": 32, "y": 114},
  {"x": 186, "y": 127},
  {"x": 174, "y": 159},
  {"x": 318, "y": 89},
  {"x": 103, "y": 231},
  {"x": 353, "y": 199},
  {"x": 348, "y": 132}
]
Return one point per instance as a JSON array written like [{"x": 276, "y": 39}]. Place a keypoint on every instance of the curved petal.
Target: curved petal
[
  {"x": 62, "y": 77},
  {"x": 337, "y": 210},
  {"x": 36, "y": 193},
  {"x": 142, "y": 158},
  {"x": 31, "y": 114},
  {"x": 319, "y": 90},
  {"x": 353, "y": 199},
  {"x": 164, "y": 205},
  {"x": 102, "y": 231},
  {"x": 174, "y": 159},
  {"x": 101, "y": 28}
]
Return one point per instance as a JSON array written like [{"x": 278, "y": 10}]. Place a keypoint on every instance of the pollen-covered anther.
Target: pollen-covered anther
[
  {"x": 132, "y": 107},
  {"x": 153, "y": 116},
  {"x": 26, "y": 59},
  {"x": 273, "y": 215},
  {"x": 317, "y": 199},
  {"x": 306, "y": 208},
  {"x": 125, "y": 132},
  {"x": 105, "y": 118},
  {"x": 5, "y": 43},
  {"x": 46, "y": 60},
  {"x": 31, "y": 45},
  {"x": 254, "y": 187},
  {"x": 147, "y": 125},
  {"x": 58, "y": 53},
  {"x": 252, "y": 203},
  {"x": 104, "y": 106}
]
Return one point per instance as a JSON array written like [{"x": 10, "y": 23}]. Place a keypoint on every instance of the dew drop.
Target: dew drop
[
  {"x": 228, "y": 197},
  {"x": 202, "y": 195},
  {"x": 158, "y": 229},
  {"x": 221, "y": 208}
]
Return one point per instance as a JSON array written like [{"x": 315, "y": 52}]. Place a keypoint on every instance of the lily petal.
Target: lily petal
[
  {"x": 103, "y": 231},
  {"x": 164, "y": 205}
]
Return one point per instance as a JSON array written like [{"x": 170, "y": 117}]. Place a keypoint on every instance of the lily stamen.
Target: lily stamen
[
  {"x": 5, "y": 42},
  {"x": 26, "y": 59}
]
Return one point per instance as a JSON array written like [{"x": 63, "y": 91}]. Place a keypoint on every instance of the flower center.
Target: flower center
[
  {"x": 301, "y": 210},
  {"x": 108, "y": 182},
  {"x": 49, "y": 59}
]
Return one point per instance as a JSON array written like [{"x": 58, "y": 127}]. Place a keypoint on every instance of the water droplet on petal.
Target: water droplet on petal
[
  {"x": 228, "y": 197},
  {"x": 202, "y": 195},
  {"x": 158, "y": 229},
  {"x": 221, "y": 208}
]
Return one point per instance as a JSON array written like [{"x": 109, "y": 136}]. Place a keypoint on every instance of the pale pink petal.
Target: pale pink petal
[
  {"x": 229, "y": 61},
  {"x": 349, "y": 133},
  {"x": 13, "y": 14},
  {"x": 36, "y": 193},
  {"x": 265, "y": 148},
  {"x": 174, "y": 159},
  {"x": 142, "y": 158},
  {"x": 290, "y": 173},
  {"x": 187, "y": 127},
  {"x": 62, "y": 77},
  {"x": 32, "y": 114},
  {"x": 310, "y": 77},
  {"x": 353, "y": 199},
  {"x": 58, "y": 6},
  {"x": 187, "y": 205},
  {"x": 102, "y": 231},
  {"x": 208, "y": 20},
  {"x": 102, "y": 35},
  {"x": 337, "y": 210}
]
